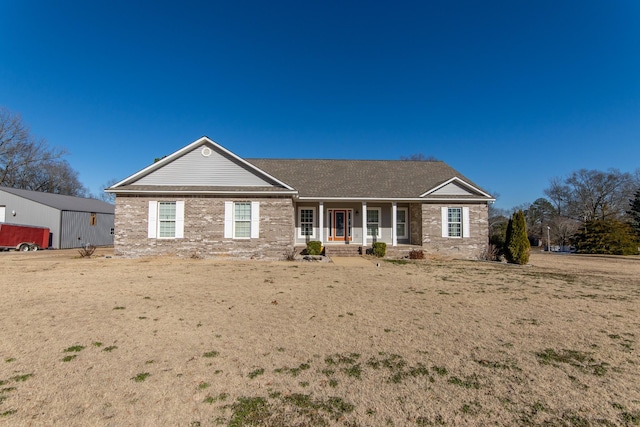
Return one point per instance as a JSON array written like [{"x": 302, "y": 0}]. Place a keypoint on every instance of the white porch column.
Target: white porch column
[
  {"x": 321, "y": 222},
  {"x": 364, "y": 225},
  {"x": 394, "y": 224}
]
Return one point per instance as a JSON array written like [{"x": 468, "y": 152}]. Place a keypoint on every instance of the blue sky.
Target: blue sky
[{"x": 510, "y": 93}]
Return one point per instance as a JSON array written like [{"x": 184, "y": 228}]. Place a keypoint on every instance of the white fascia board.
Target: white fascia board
[
  {"x": 240, "y": 193},
  {"x": 186, "y": 149},
  {"x": 456, "y": 179},
  {"x": 391, "y": 199}
]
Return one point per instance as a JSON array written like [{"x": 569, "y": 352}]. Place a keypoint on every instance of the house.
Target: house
[
  {"x": 204, "y": 200},
  {"x": 73, "y": 221}
]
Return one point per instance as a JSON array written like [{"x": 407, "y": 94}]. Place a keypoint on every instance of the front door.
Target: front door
[{"x": 340, "y": 229}]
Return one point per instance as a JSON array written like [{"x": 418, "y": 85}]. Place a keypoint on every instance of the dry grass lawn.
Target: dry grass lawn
[{"x": 166, "y": 341}]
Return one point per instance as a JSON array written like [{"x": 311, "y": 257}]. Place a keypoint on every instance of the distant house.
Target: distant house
[
  {"x": 73, "y": 221},
  {"x": 205, "y": 200}
]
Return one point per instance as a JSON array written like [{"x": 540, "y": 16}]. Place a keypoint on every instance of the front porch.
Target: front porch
[{"x": 351, "y": 226}]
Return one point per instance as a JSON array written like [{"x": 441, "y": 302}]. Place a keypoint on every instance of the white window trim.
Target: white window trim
[
  {"x": 465, "y": 222},
  {"x": 406, "y": 222},
  {"x": 153, "y": 221},
  {"x": 379, "y": 234},
  {"x": 230, "y": 223},
  {"x": 313, "y": 222}
]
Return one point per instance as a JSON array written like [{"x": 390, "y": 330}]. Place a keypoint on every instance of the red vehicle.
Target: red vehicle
[{"x": 23, "y": 237}]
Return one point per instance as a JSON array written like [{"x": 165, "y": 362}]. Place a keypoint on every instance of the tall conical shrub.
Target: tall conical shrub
[{"x": 517, "y": 245}]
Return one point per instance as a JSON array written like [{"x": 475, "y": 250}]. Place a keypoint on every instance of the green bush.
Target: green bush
[
  {"x": 379, "y": 249},
  {"x": 314, "y": 247},
  {"x": 517, "y": 244}
]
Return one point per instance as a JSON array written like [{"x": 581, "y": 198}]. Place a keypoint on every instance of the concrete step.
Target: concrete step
[{"x": 343, "y": 250}]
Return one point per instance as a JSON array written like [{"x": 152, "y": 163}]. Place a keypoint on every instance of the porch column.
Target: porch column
[
  {"x": 321, "y": 222},
  {"x": 364, "y": 225},
  {"x": 394, "y": 224}
]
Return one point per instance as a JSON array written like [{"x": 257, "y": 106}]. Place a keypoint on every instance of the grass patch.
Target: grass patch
[
  {"x": 69, "y": 358},
  {"x": 509, "y": 364},
  {"x": 73, "y": 348},
  {"x": 397, "y": 367},
  {"x": 211, "y": 399},
  {"x": 212, "y": 353},
  {"x": 468, "y": 382},
  {"x": 119, "y": 307},
  {"x": 109, "y": 348},
  {"x": 21, "y": 378},
  {"x": 141, "y": 377},
  {"x": 578, "y": 359},
  {"x": 250, "y": 411},
  {"x": 203, "y": 385},
  {"x": 10, "y": 359},
  {"x": 294, "y": 372},
  {"x": 440, "y": 370},
  {"x": 256, "y": 373},
  {"x": 353, "y": 371}
]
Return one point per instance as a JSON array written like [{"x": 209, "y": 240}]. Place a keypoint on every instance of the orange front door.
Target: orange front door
[{"x": 340, "y": 225}]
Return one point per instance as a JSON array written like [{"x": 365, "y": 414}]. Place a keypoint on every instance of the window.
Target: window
[
  {"x": 93, "y": 219},
  {"x": 166, "y": 220},
  {"x": 401, "y": 223},
  {"x": 306, "y": 218},
  {"x": 242, "y": 220},
  {"x": 112, "y": 232},
  {"x": 373, "y": 222},
  {"x": 455, "y": 222}
]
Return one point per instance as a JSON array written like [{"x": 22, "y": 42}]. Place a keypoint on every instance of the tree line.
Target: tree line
[
  {"x": 29, "y": 163},
  {"x": 589, "y": 211}
]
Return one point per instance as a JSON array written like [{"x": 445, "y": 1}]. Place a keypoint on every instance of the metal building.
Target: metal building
[{"x": 73, "y": 221}]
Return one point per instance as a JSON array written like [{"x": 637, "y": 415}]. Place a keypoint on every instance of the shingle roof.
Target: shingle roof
[
  {"x": 62, "y": 202},
  {"x": 360, "y": 178}
]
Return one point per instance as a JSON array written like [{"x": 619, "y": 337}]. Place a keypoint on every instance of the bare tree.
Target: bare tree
[
  {"x": 104, "y": 196},
  {"x": 587, "y": 195},
  {"x": 29, "y": 163}
]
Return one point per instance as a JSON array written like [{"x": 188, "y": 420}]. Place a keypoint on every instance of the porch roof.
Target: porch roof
[{"x": 365, "y": 179}]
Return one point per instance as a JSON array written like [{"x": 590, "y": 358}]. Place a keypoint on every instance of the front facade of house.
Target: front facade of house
[{"x": 205, "y": 201}]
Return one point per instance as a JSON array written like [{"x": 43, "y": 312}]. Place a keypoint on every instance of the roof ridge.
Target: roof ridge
[{"x": 343, "y": 160}]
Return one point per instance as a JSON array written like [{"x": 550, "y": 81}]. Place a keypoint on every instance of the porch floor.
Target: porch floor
[{"x": 354, "y": 250}]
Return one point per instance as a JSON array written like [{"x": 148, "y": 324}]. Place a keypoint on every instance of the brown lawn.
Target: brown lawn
[{"x": 166, "y": 341}]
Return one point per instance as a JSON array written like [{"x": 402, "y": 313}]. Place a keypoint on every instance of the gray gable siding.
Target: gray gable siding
[
  {"x": 452, "y": 189},
  {"x": 194, "y": 169}
]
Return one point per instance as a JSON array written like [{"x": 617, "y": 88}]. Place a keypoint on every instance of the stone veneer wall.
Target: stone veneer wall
[
  {"x": 471, "y": 247},
  {"x": 204, "y": 229},
  {"x": 415, "y": 225}
]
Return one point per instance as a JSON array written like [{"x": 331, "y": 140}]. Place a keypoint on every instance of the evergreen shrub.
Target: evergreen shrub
[
  {"x": 314, "y": 247},
  {"x": 517, "y": 246},
  {"x": 379, "y": 249}
]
